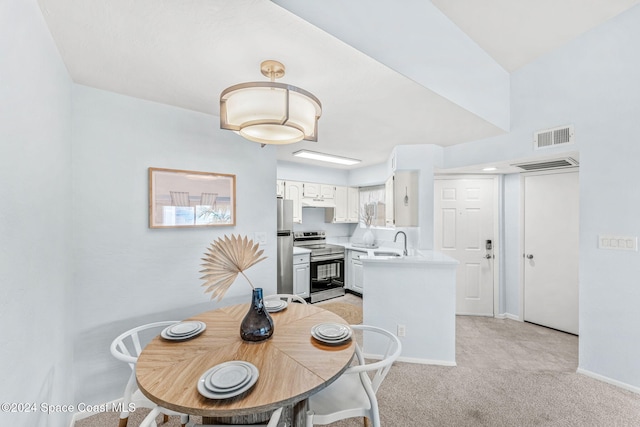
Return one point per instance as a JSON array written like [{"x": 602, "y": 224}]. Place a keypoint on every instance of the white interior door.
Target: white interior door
[
  {"x": 551, "y": 245},
  {"x": 464, "y": 223}
]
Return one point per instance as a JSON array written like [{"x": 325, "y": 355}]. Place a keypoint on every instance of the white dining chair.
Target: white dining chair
[
  {"x": 150, "y": 420},
  {"x": 127, "y": 347},
  {"x": 353, "y": 394},
  {"x": 286, "y": 297}
]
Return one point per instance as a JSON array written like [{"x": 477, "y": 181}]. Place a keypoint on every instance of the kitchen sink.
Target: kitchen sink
[{"x": 384, "y": 253}]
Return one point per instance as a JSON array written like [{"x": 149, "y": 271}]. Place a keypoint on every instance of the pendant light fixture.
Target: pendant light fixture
[{"x": 270, "y": 112}]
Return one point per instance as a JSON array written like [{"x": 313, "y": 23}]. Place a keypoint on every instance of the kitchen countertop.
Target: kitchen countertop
[
  {"x": 416, "y": 257},
  {"x": 369, "y": 251},
  {"x": 420, "y": 257},
  {"x": 297, "y": 250}
]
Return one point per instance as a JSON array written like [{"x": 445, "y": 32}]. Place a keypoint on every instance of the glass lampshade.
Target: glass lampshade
[{"x": 270, "y": 113}]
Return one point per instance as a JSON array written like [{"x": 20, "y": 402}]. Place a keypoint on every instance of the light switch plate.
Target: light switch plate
[
  {"x": 620, "y": 243},
  {"x": 260, "y": 237}
]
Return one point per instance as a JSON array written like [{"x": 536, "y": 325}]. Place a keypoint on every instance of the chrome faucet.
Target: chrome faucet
[{"x": 405, "y": 241}]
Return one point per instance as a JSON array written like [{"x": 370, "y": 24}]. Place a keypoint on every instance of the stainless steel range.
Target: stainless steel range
[{"x": 326, "y": 264}]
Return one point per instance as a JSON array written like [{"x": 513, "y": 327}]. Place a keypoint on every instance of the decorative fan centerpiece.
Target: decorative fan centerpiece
[{"x": 226, "y": 258}]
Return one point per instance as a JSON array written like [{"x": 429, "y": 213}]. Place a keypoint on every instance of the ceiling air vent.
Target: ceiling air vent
[
  {"x": 552, "y": 137},
  {"x": 568, "y": 162}
]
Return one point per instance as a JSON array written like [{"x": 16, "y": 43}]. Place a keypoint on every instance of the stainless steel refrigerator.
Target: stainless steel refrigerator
[{"x": 285, "y": 246}]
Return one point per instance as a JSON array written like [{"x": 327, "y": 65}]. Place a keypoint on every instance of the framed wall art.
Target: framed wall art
[{"x": 179, "y": 198}]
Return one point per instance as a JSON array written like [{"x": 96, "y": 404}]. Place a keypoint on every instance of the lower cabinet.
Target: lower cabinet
[
  {"x": 355, "y": 282},
  {"x": 301, "y": 275}
]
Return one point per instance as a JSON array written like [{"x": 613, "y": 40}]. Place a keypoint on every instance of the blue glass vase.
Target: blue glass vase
[{"x": 257, "y": 325}]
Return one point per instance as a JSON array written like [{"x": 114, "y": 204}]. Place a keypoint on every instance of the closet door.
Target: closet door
[{"x": 551, "y": 247}]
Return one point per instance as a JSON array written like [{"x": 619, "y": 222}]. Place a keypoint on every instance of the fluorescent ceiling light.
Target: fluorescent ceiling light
[
  {"x": 325, "y": 157},
  {"x": 489, "y": 169}
]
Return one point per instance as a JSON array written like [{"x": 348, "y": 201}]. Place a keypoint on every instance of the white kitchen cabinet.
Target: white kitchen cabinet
[
  {"x": 355, "y": 273},
  {"x": 293, "y": 191},
  {"x": 312, "y": 190},
  {"x": 358, "y": 283},
  {"x": 346, "y": 205},
  {"x": 301, "y": 275},
  {"x": 340, "y": 211},
  {"x": 401, "y": 199},
  {"x": 353, "y": 204}
]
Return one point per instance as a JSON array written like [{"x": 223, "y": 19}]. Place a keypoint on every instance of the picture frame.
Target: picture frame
[{"x": 183, "y": 198}]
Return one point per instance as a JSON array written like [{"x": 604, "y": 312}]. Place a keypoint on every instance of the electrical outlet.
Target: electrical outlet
[
  {"x": 621, "y": 243},
  {"x": 402, "y": 330}
]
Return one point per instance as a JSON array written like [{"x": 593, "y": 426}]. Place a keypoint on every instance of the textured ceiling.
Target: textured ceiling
[
  {"x": 184, "y": 53},
  {"x": 516, "y": 32}
]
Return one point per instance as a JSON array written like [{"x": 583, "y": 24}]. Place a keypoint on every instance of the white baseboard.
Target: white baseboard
[
  {"x": 508, "y": 316},
  {"x": 427, "y": 361},
  {"x": 608, "y": 380}
]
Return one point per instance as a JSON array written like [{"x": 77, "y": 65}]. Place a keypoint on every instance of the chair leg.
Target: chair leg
[
  {"x": 165, "y": 418},
  {"x": 366, "y": 421},
  {"x": 123, "y": 422}
]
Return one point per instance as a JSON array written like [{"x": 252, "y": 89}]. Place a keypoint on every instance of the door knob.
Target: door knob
[
  {"x": 488, "y": 256},
  {"x": 530, "y": 256}
]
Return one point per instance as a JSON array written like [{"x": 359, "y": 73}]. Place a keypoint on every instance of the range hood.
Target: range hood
[{"x": 308, "y": 202}]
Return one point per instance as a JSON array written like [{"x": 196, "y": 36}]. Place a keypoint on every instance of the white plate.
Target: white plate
[
  {"x": 275, "y": 303},
  {"x": 167, "y": 335},
  {"x": 228, "y": 376},
  {"x": 183, "y": 328},
  {"x": 275, "y": 306},
  {"x": 203, "y": 390},
  {"x": 334, "y": 341},
  {"x": 331, "y": 342},
  {"x": 331, "y": 330},
  {"x": 340, "y": 338}
]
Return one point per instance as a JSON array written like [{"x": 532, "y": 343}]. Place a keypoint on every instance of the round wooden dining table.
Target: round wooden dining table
[{"x": 292, "y": 365}]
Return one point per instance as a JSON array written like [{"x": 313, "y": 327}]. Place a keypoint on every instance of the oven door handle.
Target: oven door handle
[{"x": 320, "y": 258}]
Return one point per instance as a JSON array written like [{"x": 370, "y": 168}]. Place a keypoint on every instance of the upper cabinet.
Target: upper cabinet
[
  {"x": 293, "y": 191},
  {"x": 353, "y": 204},
  {"x": 341, "y": 203},
  {"x": 346, "y": 201},
  {"x": 313, "y": 190},
  {"x": 401, "y": 197},
  {"x": 340, "y": 211}
]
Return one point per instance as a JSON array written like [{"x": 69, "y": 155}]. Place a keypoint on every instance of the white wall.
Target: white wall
[
  {"x": 35, "y": 217},
  {"x": 592, "y": 83},
  {"x": 369, "y": 175},
  {"x": 424, "y": 159},
  {"x": 310, "y": 173},
  {"x": 510, "y": 286},
  {"x": 126, "y": 273}
]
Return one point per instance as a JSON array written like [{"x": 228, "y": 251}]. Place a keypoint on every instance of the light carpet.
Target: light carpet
[
  {"x": 509, "y": 374},
  {"x": 350, "y": 313}
]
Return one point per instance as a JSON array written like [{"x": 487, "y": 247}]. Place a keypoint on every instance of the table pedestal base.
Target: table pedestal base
[{"x": 295, "y": 416}]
